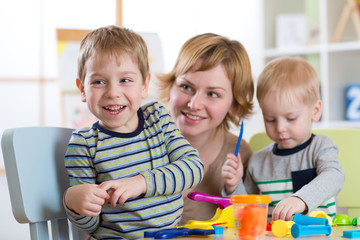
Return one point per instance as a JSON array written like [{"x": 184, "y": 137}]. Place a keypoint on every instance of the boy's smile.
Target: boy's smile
[{"x": 114, "y": 109}]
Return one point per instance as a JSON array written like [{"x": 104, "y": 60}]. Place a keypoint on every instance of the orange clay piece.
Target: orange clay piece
[{"x": 252, "y": 219}]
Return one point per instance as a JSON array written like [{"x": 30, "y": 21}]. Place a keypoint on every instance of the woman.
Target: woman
[{"x": 209, "y": 89}]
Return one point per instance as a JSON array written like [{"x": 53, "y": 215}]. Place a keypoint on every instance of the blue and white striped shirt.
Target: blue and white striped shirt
[{"x": 157, "y": 151}]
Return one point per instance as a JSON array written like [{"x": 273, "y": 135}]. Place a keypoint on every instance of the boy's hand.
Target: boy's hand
[
  {"x": 286, "y": 208},
  {"x": 86, "y": 199},
  {"x": 232, "y": 172},
  {"x": 122, "y": 189}
]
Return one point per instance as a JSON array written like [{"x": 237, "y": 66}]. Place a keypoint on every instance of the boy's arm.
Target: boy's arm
[
  {"x": 287, "y": 207},
  {"x": 80, "y": 170},
  {"x": 329, "y": 180},
  {"x": 185, "y": 169}
]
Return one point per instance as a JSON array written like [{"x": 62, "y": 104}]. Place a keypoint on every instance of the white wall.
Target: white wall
[
  {"x": 28, "y": 51},
  {"x": 177, "y": 21},
  {"x": 28, "y": 43}
]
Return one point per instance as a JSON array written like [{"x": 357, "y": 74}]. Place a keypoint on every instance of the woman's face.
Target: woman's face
[{"x": 200, "y": 100}]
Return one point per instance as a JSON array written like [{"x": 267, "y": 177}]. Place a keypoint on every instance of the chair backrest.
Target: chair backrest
[
  {"x": 348, "y": 142},
  {"x": 37, "y": 179}
]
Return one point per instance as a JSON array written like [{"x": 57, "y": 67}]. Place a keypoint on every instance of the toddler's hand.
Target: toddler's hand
[
  {"x": 122, "y": 189},
  {"x": 85, "y": 199},
  {"x": 286, "y": 208},
  {"x": 232, "y": 172}
]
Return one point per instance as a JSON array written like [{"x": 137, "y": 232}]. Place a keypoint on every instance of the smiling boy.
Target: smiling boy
[{"x": 127, "y": 170}]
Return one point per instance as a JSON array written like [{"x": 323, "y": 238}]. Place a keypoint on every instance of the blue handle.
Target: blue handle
[
  {"x": 180, "y": 232},
  {"x": 151, "y": 234},
  {"x": 239, "y": 139},
  {"x": 307, "y": 220},
  {"x": 201, "y": 232},
  {"x": 171, "y": 234},
  {"x": 302, "y": 230}
]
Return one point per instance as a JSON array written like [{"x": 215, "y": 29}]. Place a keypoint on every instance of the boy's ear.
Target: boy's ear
[
  {"x": 317, "y": 109},
  {"x": 145, "y": 89},
  {"x": 80, "y": 86}
]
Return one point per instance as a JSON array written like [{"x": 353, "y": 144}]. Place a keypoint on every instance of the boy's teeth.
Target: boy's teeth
[{"x": 114, "y": 108}]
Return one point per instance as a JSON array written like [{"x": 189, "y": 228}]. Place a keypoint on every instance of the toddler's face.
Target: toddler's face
[
  {"x": 113, "y": 90},
  {"x": 288, "y": 121}
]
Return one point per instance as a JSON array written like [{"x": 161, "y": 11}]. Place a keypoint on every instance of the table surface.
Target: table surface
[{"x": 229, "y": 234}]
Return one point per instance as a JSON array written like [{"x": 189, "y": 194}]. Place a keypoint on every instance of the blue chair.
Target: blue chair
[
  {"x": 37, "y": 179},
  {"x": 348, "y": 141}
]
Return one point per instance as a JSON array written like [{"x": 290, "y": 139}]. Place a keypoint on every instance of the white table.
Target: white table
[{"x": 229, "y": 234}]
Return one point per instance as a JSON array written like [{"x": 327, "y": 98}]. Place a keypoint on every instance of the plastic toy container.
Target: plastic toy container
[{"x": 250, "y": 213}]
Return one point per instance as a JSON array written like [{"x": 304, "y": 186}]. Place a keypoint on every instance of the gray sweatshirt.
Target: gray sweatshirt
[{"x": 309, "y": 171}]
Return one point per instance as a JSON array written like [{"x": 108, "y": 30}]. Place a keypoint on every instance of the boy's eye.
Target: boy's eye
[
  {"x": 269, "y": 120},
  {"x": 97, "y": 82},
  {"x": 124, "y": 80},
  {"x": 291, "y": 118}
]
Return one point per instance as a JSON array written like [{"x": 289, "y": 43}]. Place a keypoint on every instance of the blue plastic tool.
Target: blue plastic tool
[
  {"x": 307, "y": 220},
  {"x": 178, "y": 232},
  {"x": 219, "y": 230},
  {"x": 239, "y": 138},
  {"x": 151, "y": 234},
  {"x": 298, "y": 230},
  {"x": 351, "y": 234}
]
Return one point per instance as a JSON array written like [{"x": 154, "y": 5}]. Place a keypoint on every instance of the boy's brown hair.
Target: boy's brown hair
[
  {"x": 212, "y": 49},
  {"x": 113, "y": 40},
  {"x": 290, "y": 77}
]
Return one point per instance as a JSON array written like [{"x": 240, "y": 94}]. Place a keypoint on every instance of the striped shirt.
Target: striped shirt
[
  {"x": 157, "y": 151},
  {"x": 309, "y": 171}
]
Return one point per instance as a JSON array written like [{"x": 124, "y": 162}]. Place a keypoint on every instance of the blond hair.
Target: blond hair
[
  {"x": 290, "y": 77},
  {"x": 212, "y": 50},
  {"x": 113, "y": 40}
]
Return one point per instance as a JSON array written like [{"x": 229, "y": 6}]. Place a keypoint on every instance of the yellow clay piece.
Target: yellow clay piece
[
  {"x": 281, "y": 228},
  {"x": 321, "y": 214},
  {"x": 224, "y": 216}
]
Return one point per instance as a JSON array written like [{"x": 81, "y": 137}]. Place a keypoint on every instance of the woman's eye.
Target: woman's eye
[
  {"x": 213, "y": 95},
  {"x": 185, "y": 87}
]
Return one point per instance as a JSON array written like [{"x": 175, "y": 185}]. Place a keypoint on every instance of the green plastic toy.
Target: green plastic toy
[{"x": 341, "y": 220}]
